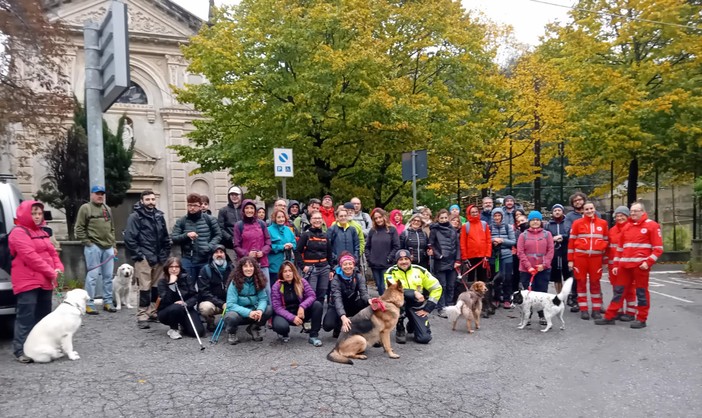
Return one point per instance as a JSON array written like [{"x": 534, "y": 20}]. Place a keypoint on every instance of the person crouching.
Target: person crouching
[
  {"x": 247, "y": 302},
  {"x": 293, "y": 301}
]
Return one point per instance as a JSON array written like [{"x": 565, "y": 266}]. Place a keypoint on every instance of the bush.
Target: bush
[{"x": 682, "y": 239}]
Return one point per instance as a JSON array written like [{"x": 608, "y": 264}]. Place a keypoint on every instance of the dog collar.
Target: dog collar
[{"x": 69, "y": 303}]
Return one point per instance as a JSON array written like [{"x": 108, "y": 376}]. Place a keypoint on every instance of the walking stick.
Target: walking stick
[
  {"x": 218, "y": 330},
  {"x": 187, "y": 312}
]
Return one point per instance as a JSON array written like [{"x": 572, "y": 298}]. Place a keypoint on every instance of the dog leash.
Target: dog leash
[
  {"x": 460, "y": 276},
  {"x": 60, "y": 283},
  {"x": 531, "y": 281},
  {"x": 114, "y": 258},
  {"x": 377, "y": 303}
]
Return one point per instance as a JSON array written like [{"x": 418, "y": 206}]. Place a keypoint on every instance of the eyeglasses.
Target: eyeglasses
[{"x": 635, "y": 211}]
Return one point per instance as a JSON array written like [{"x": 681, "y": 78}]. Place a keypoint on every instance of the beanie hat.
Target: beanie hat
[
  {"x": 622, "y": 209},
  {"x": 557, "y": 206},
  {"x": 452, "y": 207},
  {"x": 327, "y": 196},
  {"x": 508, "y": 197},
  {"x": 348, "y": 205},
  {"x": 534, "y": 214},
  {"x": 402, "y": 253}
]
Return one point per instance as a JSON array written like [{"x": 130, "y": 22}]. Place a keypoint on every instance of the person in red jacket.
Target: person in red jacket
[
  {"x": 640, "y": 245},
  {"x": 327, "y": 211},
  {"x": 476, "y": 244},
  {"x": 586, "y": 250},
  {"x": 621, "y": 218},
  {"x": 35, "y": 269}
]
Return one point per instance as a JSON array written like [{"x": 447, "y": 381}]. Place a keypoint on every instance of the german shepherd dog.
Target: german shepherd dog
[{"x": 370, "y": 326}]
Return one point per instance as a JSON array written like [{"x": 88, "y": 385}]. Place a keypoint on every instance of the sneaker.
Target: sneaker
[
  {"x": 638, "y": 324},
  {"x": 143, "y": 325},
  {"x": 543, "y": 322},
  {"x": 401, "y": 337},
  {"x": 109, "y": 308},
  {"x": 174, "y": 334},
  {"x": 232, "y": 339},
  {"x": 507, "y": 305},
  {"x": 315, "y": 341},
  {"x": 605, "y": 321},
  {"x": 441, "y": 313},
  {"x": 254, "y": 332},
  {"x": 575, "y": 308},
  {"x": 284, "y": 340},
  {"x": 90, "y": 310},
  {"x": 24, "y": 359},
  {"x": 626, "y": 318},
  {"x": 584, "y": 315},
  {"x": 596, "y": 315}
]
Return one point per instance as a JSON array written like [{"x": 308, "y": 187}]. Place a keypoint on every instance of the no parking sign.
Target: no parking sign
[{"x": 283, "y": 162}]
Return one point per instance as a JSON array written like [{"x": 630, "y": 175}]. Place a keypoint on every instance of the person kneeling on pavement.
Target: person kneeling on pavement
[
  {"x": 348, "y": 296},
  {"x": 422, "y": 293},
  {"x": 247, "y": 302},
  {"x": 294, "y": 301},
  {"x": 178, "y": 300},
  {"x": 211, "y": 286}
]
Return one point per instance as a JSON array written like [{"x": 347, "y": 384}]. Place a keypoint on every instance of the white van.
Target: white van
[{"x": 10, "y": 199}]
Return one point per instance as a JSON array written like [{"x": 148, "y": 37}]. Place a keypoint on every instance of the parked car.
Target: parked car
[{"x": 10, "y": 199}]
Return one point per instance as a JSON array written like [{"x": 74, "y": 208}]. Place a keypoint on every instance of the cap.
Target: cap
[
  {"x": 219, "y": 247},
  {"x": 348, "y": 205},
  {"x": 557, "y": 206},
  {"x": 402, "y": 253},
  {"x": 97, "y": 189},
  {"x": 534, "y": 214},
  {"x": 622, "y": 209},
  {"x": 234, "y": 189}
]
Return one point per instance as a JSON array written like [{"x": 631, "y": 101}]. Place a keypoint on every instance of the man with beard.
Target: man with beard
[
  {"x": 229, "y": 216},
  {"x": 211, "y": 283},
  {"x": 486, "y": 213},
  {"x": 197, "y": 233},
  {"x": 508, "y": 209},
  {"x": 146, "y": 238},
  {"x": 577, "y": 201},
  {"x": 302, "y": 223}
]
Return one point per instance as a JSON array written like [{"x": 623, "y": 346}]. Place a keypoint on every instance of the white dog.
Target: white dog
[
  {"x": 122, "y": 286},
  {"x": 552, "y": 305},
  {"x": 52, "y": 337}
]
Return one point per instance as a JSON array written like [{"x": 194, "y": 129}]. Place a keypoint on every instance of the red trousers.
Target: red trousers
[
  {"x": 585, "y": 268},
  {"x": 628, "y": 279},
  {"x": 629, "y": 306}
]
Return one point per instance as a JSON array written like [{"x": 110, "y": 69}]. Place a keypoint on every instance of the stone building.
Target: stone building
[{"x": 157, "y": 28}]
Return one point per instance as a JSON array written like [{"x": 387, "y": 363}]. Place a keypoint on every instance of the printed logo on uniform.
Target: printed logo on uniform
[
  {"x": 659, "y": 232},
  {"x": 599, "y": 228},
  {"x": 644, "y": 230}
]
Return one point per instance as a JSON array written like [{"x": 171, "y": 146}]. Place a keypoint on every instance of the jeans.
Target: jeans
[
  {"x": 193, "y": 270},
  {"x": 447, "y": 280},
  {"x": 332, "y": 319},
  {"x": 232, "y": 320},
  {"x": 176, "y": 314},
  {"x": 94, "y": 259},
  {"x": 378, "y": 276},
  {"x": 32, "y": 306},
  {"x": 282, "y": 327},
  {"x": 318, "y": 278},
  {"x": 503, "y": 280}
]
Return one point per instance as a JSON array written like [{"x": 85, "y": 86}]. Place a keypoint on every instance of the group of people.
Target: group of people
[{"x": 306, "y": 266}]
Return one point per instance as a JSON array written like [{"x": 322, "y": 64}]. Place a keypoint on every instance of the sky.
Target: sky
[{"x": 527, "y": 17}]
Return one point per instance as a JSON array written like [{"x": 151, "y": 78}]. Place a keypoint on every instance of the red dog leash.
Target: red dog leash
[
  {"x": 377, "y": 303},
  {"x": 460, "y": 276}
]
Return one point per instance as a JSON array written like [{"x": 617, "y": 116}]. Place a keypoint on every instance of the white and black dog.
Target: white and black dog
[
  {"x": 551, "y": 305},
  {"x": 123, "y": 286}
]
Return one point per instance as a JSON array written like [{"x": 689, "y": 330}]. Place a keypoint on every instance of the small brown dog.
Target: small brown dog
[
  {"x": 374, "y": 323},
  {"x": 469, "y": 305}
]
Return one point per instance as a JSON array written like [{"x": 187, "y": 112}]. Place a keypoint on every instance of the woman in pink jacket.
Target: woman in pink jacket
[
  {"x": 35, "y": 268},
  {"x": 535, "y": 250}
]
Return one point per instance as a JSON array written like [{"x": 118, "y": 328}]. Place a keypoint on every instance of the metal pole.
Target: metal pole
[
  {"x": 93, "y": 109},
  {"x": 511, "y": 191},
  {"x": 285, "y": 192},
  {"x": 562, "y": 152},
  {"x": 675, "y": 226},
  {"x": 414, "y": 180}
]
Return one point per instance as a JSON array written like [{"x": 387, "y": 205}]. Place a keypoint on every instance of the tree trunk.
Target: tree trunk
[{"x": 633, "y": 181}]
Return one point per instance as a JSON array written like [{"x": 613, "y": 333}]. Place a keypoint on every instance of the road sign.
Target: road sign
[
  {"x": 420, "y": 165},
  {"x": 283, "y": 162},
  {"x": 114, "y": 54}
]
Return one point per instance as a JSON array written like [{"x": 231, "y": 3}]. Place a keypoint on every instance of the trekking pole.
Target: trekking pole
[
  {"x": 187, "y": 312},
  {"x": 218, "y": 330}
]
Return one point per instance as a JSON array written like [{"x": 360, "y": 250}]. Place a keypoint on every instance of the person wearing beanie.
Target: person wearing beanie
[
  {"x": 503, "y": 241},
  {"x": 621, "y": 219},
  {"x": 229, "y": 215},
  {"x": 327, "y": 210},
  {"x": 422, "y": 294},
  {"x": 456, "y": 210},
  {"x": 559, "y": 227},
  {"x": 211, "y": 286},
  {"x": 588, "y": 242},
  {"x": 535, "y": 250},
  {"x": 198, "y": 234}
]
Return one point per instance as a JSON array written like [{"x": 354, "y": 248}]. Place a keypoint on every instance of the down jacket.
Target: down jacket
[
  {"x": 506, "y": 232},
  {"x": 208, "y": 236},
  {"x": 444, "y": 242},
  {"x": 169, "y": 294},
  {"x": 251, "y": 234},
  {"x": 278, "y": 298},
  {"x": 35, "y": 259},
  {"x": 247, "y": 299},
  {"x": 146, "y": 236}
]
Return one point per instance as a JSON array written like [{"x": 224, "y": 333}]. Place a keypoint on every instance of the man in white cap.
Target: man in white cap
[{"x": 228, "y": 217}]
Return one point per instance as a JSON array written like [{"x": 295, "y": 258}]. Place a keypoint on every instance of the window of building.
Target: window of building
[{"x": 133, "y": 95}]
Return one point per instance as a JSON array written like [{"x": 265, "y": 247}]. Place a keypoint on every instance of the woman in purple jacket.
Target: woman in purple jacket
[
  {"x": 294, "y": 301},
  {"x": 252, "y": 239}
]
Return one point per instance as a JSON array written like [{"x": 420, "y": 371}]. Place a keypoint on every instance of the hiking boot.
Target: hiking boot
[
  {"x": 90, "y": 310},
  {"x": 143, "y": 325},
  {"x": 605, "y": 321},
  {"x": 174, "y": 334},
  {"x": 584, "y": 315},
  {"x": 109, "y": 308},
  {"x": 596, "y": 315},
  {"x": 24, "y": 359},
  {"x": 315, "y": 341},
  {"x": 638, "y": 324},
  {"x": 254, "y": 332},
  {"x": 626, "y": 318},
  {"x": 401, "y": 337},
  {"x": 574, "y": 308},
  {"x": 232, "y": 339},
  {"x": 153, "y": 318},
  {"x": 284, "y": 340}
]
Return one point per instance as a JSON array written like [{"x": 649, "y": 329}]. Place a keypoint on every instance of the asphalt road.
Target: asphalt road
[{"x": 586, "y": 370}]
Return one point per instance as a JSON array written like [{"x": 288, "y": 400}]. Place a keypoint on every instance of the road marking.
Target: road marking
[
  {"x": 668, "y": 272},
  {"x": 672, "y": 297}
]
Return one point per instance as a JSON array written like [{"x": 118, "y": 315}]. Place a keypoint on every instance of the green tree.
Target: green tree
[
  {"x": 66, "y": 161},
  {"x": 348, "y": 85}
]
